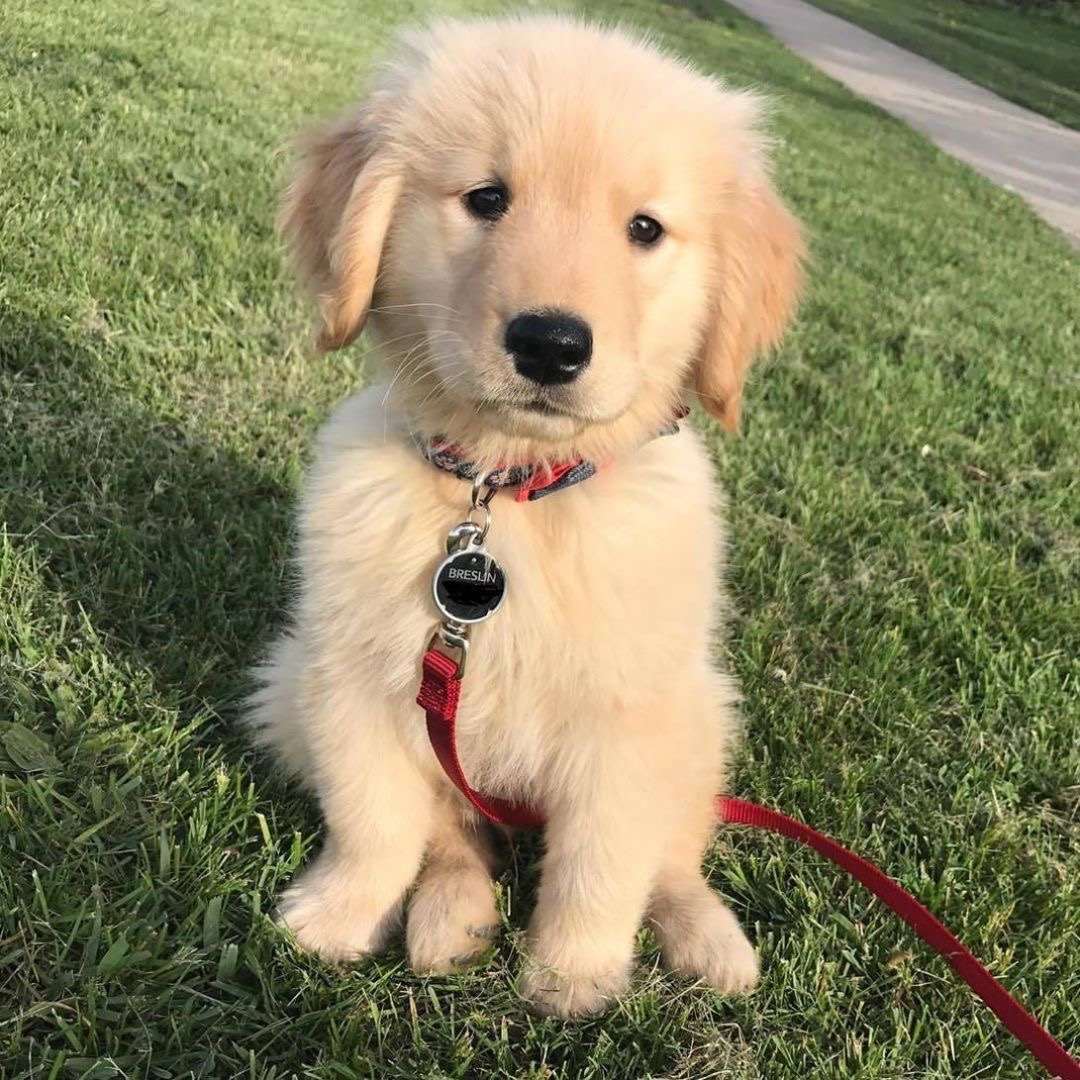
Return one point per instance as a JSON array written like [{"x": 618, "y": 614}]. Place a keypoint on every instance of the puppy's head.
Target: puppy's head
[{"x": 555, "y": 231}]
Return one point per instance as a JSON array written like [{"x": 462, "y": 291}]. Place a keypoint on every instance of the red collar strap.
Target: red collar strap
[
  {"x": 532, "y": 481},
  {"x": 439, "y": 693}
]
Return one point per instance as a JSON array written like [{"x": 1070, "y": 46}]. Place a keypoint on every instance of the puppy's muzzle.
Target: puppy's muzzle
[{"x": 549, "y": 347}]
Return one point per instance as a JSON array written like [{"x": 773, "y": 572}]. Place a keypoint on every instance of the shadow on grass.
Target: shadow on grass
[{"x": 174, "y": 547}]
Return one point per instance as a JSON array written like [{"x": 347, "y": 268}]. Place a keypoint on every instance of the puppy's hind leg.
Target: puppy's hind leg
[
  {"x": 272, "y": 714},
  {"x": 699, "y": 935},
  {"x": 377, "y": 809},
  {"x": 453, "y": 918}
]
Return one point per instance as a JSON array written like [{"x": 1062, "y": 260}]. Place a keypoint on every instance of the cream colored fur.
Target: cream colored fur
[{"x": 592, "y": 692}]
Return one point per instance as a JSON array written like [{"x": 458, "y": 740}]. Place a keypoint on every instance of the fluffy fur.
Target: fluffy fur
[{"x": 593, "y": 692}]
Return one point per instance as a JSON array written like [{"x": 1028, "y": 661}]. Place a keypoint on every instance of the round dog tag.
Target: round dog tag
[{"x": 469, "y": 586}]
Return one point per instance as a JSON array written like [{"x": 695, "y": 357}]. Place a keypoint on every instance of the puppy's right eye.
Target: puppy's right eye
[
  {"x": 488, "y": 203},
  {"x": 644, "y": 230}
]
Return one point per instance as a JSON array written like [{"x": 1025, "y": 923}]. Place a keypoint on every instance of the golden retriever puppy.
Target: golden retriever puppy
[{"x": 556, "y": 235}]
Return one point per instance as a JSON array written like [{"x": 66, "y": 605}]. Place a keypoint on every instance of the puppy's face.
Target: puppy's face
[
  {"x": 559, "y": 265},
  {"x": 556, "y": 232}
]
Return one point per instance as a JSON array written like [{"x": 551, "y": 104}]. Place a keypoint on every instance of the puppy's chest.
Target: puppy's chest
[
  {"x": 608, "y": 584},
  {"x": 580, "y": 573},
  {"x": 603, "y": 590}
]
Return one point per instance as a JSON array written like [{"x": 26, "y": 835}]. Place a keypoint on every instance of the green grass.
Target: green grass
[
  {"x": 1027, "y": 55},
  {"x": 906, "y": 568}
]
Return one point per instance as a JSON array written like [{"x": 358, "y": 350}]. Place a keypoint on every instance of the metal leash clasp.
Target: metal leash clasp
[
  {"x": 469, "y": 584},
  {"x": 452, "y": 639}
]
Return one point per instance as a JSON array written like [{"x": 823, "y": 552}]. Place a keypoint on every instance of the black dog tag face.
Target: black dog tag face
[{"x": 469, "y": 586}]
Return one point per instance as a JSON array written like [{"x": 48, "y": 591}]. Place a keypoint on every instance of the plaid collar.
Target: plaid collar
[{"x": 532, "y": 481}]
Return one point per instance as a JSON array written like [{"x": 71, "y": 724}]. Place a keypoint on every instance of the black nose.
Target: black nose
[{"x": 549, "y": 347}]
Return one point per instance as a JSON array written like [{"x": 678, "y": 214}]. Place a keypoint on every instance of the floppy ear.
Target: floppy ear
[
  {"x": 335, "y": 215},
  {"x": 759, "y": 276}
]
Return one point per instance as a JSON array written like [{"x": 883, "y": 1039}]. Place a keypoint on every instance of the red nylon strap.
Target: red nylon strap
[
  {"x": 1007, "y": 1009},
  {"x": 438, "y": 697},
  {"x": 543, "y": 478}
]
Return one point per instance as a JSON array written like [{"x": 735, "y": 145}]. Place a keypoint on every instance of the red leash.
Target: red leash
[
  {"x": 439, "y": 693},
  {"x": 1007, "y": 1009},
  {"x": 438, "y": 697}
]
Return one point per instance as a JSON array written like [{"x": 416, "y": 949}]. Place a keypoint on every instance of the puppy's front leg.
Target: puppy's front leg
[
  {"x": 453, "y": 918},
  {"x": 377, "y": 808},
  {"x": 604, "y": 844}
]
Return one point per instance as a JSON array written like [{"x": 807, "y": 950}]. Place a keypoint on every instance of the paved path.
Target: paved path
[{"x": 1020, "y": 150}]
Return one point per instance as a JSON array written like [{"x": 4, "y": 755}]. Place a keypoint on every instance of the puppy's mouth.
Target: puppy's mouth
[
  {"x": 544, "y": 407},
  {"x": 535, "y": 406}
]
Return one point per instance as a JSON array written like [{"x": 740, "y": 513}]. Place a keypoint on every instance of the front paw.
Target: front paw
[
  {"x": 452, "y": 922},
  {"x": 568, "y": 992},
  {"x": 709, "y": 945},
  {"x": 329, "y": 911}
]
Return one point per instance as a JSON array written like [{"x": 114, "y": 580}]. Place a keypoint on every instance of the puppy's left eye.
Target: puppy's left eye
[
  {"x": 488, "y": 203},
  {"x": 645, "y": 230}
]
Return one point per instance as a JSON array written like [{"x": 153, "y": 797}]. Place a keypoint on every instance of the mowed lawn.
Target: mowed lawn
[
  {"x": 905, "y": 565},
  {"x": 1027, "y": 54}
]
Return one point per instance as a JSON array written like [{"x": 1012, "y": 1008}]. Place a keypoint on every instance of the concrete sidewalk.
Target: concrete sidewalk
[{"x": 1020, "y": 150}]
